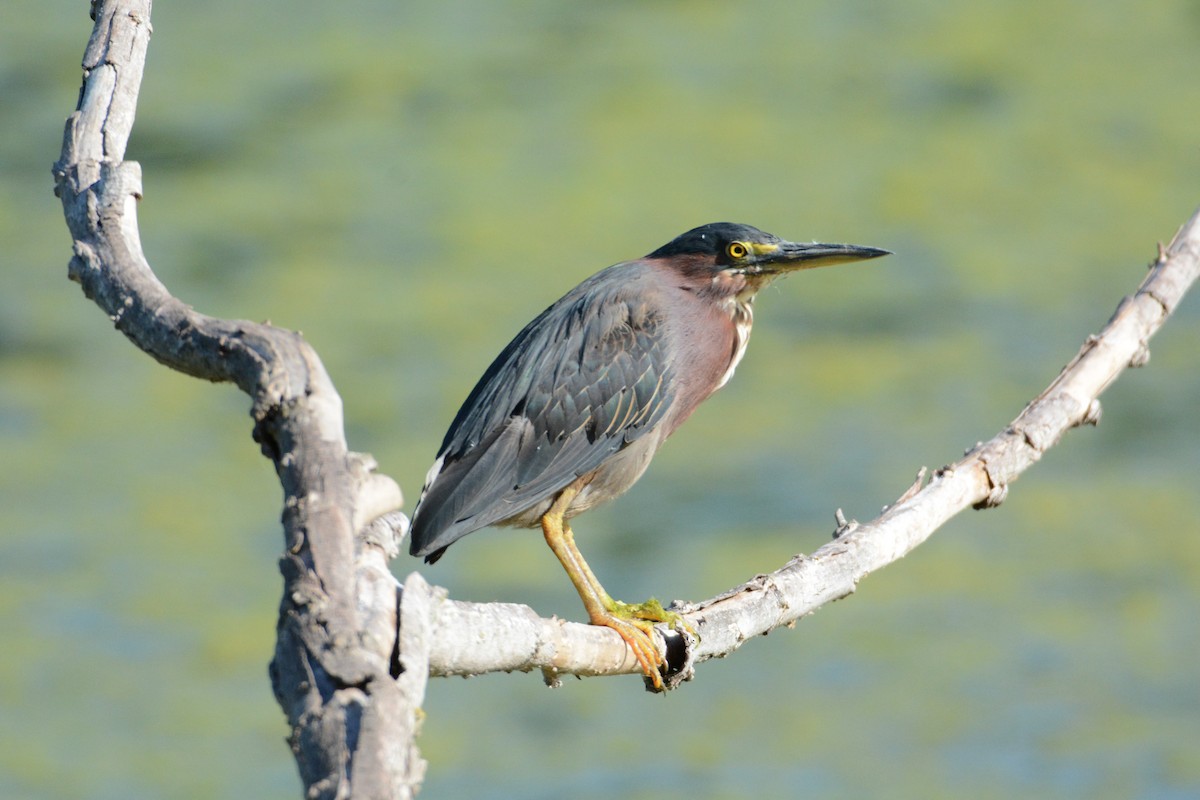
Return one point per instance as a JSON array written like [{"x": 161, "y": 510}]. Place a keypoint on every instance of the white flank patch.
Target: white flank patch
[{"x": 431, "y": 476}]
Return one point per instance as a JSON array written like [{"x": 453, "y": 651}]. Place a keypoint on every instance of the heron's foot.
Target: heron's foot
[
  {"x": 635, "y": 623},
  {"x": 638, "y": 633}
]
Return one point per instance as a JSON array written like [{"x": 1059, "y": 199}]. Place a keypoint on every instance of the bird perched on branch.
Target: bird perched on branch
[{"x": 570, "y": 413}]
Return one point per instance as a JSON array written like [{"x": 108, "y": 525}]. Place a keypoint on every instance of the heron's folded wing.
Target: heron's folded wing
[{"x": 579, "y": 383}]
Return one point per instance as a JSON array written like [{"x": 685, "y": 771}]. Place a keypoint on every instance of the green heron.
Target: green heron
[{"x": 569, "y": 415}]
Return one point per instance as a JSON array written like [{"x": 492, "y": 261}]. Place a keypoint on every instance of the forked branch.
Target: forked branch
[
  {"x": 352, "y": 723},
  {"x": 354, "y": 650}
]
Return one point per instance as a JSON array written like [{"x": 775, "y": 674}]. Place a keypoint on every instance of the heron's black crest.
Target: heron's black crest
[{"x": 711, "y": 239}]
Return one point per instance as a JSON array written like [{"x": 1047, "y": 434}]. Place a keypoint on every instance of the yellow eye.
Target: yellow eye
[{"x": 737, "y": 250}]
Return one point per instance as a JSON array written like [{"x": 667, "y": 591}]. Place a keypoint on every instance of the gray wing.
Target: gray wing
[{"x": 586, "y": 378}]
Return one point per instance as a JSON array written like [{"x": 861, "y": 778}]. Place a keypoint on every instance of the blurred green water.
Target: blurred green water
[{"x": 408, "y": 185}]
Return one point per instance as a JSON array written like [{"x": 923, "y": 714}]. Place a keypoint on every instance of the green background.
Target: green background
[{"x": 408, "y": 184}]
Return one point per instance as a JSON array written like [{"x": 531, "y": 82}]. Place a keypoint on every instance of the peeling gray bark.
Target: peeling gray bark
[
  {"x": 353, "y": 724},
  {"x": 354, "y": 649}
]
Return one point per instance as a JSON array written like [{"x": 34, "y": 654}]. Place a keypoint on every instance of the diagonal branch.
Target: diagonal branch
[{"x": 473, "y": 638}]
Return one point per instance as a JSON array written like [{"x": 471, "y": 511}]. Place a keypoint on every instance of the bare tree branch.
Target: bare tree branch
[
  {"x": 352, "y": 723},
  {"x": 355, "y": 649}
]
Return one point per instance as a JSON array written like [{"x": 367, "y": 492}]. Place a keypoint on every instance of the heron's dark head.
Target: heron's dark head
[{"x": 743, "y": 250}]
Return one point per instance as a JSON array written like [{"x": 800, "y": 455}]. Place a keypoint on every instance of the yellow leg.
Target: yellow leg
[
  {"x": 601, "y": 608},
  {"x": 651, "y": 610},
  {"x": 597, "y": 589}
]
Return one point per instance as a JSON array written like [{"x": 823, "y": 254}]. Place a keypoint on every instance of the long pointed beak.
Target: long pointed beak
[{"x": 791, "y": 256}]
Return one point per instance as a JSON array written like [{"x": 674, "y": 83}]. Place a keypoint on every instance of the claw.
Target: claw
[{"x": 637, "y": 634}]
